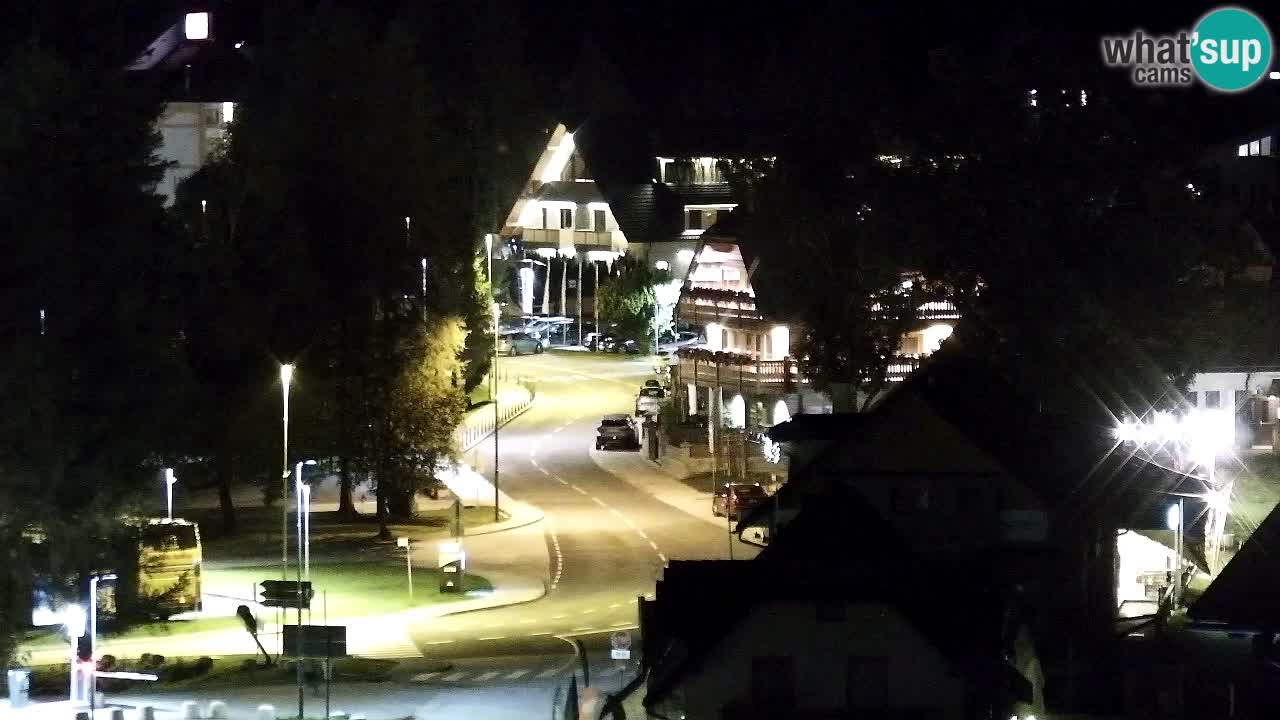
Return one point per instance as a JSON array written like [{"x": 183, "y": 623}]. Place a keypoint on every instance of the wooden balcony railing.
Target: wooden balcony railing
[{"x": 770, "y": 377}]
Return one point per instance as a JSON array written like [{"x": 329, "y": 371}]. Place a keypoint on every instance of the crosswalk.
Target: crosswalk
[{"x": 491, "y": 676}]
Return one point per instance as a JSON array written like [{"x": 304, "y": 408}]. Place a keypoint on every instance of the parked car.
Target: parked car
[
  {"x": 652, "y": 384},
  {"x": 736, "y": 499},
  {"x": 649, "y": 401},
  {"x": 519, "y": 344},
  {"x": 617, "y": 431}
]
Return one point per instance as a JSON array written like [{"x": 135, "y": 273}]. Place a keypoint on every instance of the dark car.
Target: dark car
[
  {"x": 520, "y": 343},
  {"x": 617, "y": 431},
  {"x": 736, "y": 499}
]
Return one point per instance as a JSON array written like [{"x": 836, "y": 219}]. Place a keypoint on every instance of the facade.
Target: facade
[{"x": 190, "y": 132}]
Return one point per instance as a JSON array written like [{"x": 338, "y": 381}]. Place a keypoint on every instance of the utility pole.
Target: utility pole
[
  {"x": 578, "y": 262},
  {"x": 493, "y": 377}
]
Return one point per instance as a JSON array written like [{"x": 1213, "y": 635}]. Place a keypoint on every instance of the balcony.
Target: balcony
[
  {"x": 701, "y": 306},
  {"x": 569, "y": 241},
  {"x": 768, "y": 377}
]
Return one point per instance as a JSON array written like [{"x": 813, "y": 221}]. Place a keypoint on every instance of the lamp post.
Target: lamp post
[
  {"x": 493, "y": 376},
  {"x": 408, "y": 562},
  {"x": 169, "y": 480},
  {"x": 300, "y": 502},
  {"x": 286, "y": 378},
  {"x": 73, "y": 620},
  {"x": 93, "y": 636},
  {"x": 303, "y": 493}
]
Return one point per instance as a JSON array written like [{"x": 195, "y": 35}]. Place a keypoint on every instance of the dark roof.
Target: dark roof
[
  {"x": 1247, "y": 591},
  {"x": 705, "y": 194},
  {"x": 646, "y": 212},
  {"x": 698, "y": 603},
  {"x": 570, "y": 191}
]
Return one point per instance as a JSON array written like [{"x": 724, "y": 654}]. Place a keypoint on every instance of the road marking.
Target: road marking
[
  {"x": 555, "y": 542},
  {"x": 620, "y": 623},
  {"x": 537, "y": 634},
  {"x": 599, "y": 502},
  {"x": 424, "y": 677},
  {"x": 439, "y": 642},
  {"x": 562, "y": 480},
  {"x": 528, "y": 622},
  {"x": 580, "y": 490},
  {"x": 583, "y": 629},
  {"x": 493, "y": 637},
  {"x": 653, "y": 545},
  {"x": 516, "y": 674},
  {"x": 630, "y": 523},
  {"x": 615, "y": 511},
  {"x": 588, "y": 612},
  {"x": 487, "y": 676},
  {"x": 615, "y": 606},
  {"x": 559, "y": 617},
  {"x": 643, "y": 534},
  {"x": 454, "y": 677},
  {"x": 663, "y": 558},
  {"x": 549, "y": 672}
]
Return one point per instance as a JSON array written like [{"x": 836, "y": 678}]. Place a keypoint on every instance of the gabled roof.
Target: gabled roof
[
  {"x": 1247, "y": 591},
  {"x": 569, "y": 191},
  {"x": 698, "y": 604}
]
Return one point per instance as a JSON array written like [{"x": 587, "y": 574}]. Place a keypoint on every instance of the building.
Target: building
[
  {"x": 196, "y": 64},
  {"x": 794, "y": 634},
  {"x": 959, "y": 465}
]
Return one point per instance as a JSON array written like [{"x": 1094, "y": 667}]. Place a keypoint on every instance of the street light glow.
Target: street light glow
[{"x": 286, "y": 374}]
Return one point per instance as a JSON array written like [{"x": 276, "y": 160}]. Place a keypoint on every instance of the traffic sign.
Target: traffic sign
[
  {"x": 318, "y": 641},
  {"x": 287, "y": 594},
  {"x": 619, "y": 654}
]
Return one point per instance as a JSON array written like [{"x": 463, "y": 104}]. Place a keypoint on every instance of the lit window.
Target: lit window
[
  {"x": 197, "y": 26},
  {"x": 1266, "y": 146},
  {"x": 1244, "y": 151},
  {"x": 731, "y": 274},
  {"x": 1031, "y": 98},
  {"x": 662, "y": 265},
  {"x": 1084, "y": 98},
  {"x": 1255, "y": 148},
  {"x": 228, "y": 111}
]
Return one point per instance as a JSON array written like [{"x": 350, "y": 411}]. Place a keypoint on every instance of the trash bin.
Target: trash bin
[
  {"x": 451, "y": 577},
  {"x": 19, "y": 688}
]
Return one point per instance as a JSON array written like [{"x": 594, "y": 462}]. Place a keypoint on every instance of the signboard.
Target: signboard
[
  {"x": 318, "y": 641},
  {"x": 617, "y": 654},
  {"x": 286, "y": 594}
]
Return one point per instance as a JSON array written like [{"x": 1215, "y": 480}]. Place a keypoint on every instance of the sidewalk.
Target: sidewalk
[{"x": 661, "y": 480}]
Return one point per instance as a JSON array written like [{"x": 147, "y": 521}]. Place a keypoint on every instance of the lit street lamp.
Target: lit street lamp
[
  {"x": 302, "y": 493},
  {"x": 169, "y": 480},
  {"x": 493, "y": 375},
  {"x": 299, "y": 501},
  {"x": 73, "y": 621},
  {"x": 286, "y": 377}
]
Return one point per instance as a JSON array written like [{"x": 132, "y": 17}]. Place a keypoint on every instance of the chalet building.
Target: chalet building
[
  {"x": 891, "y": 633},
  {"x": 957, "y": 463}
]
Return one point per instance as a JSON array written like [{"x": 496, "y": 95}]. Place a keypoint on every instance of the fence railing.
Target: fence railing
[
  {"x": 770, "y": 376},
  {"x": 478, "y": 424}
]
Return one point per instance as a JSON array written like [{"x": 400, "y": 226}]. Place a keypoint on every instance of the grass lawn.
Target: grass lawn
[
  {"x": 258, "y": 533},
  {"x": 354, "y": 588},
  {"x": 41, "y": 638}
]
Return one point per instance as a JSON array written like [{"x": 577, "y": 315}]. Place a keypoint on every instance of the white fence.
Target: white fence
[{"x": 513, "y": 399}]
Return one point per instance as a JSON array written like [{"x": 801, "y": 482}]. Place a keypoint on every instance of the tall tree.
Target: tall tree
[{"x": 89, "y": 349}]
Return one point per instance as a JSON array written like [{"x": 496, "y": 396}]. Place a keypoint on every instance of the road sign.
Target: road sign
[
  {"x": 318, "y": 641},
  {"x": 620, "y": 640},
  {"x": 619, "y": 654},
  {"x": 285, "y": 594}
]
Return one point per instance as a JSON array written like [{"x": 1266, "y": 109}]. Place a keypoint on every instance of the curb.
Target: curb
[
  {"x": 526, "y": 601},
  {"x": 535, "y": 516}
]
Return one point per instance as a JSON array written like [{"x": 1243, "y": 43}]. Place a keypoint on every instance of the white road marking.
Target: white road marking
[
  {"x": 630, "y": 523},
  {"x": 516, "y": 674},
  {"x": 424, "y": 677},
  {"x": 643, "y": 534},
  {"x": 549, "y": 672},
  {"x": 454, "y": 677},
  {"x": 493, "y": 637},
  {"x": 559, "y": 617},
  {"x": 588, "y": 612},
  {"x": 653, "y": 545},
  {"x": 615, "y": 605},
  {"x": 537, "y": 634},
  {"x": 620, "y": 623},
  {"x": 562, "y": 481},
  {"x": 615, "y": 511},
  {"x": 583, "y": 629},
  {"x": 439, "y": 642},
  {"x": 580, "y": 490},
  {"x": 599, "y": 502},
  {"x": 487, "y": 676},
  {"x": 663, "y": 558}
]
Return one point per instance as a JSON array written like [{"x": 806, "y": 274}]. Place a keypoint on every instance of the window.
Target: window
[
  {"x": 1212, "y": 399},
  {"x": 598, "y": 220},
  {"x": 693, "y": 220},
  {"x": 867, "y": 683},
  {"x": 1193, "y": 398},
  {"x": 566, "y": 218},
  {"x": 1255, "y": 148},
  {"x": 773, "y": 680},
  {"x": 1266, "y": 146},
  {"x": 1242, "y": 399},
  {"x": 581, "y": 218},
  {"x": 544, "y": 219},
  {"x": 1244, "y": 151}
]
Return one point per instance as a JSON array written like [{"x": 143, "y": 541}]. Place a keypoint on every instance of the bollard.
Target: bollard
[
  {"x": 146, "y": 712},
  {"x": 117, "y": 714},
  {"x": 217, "y": 710},
  {"x": 266, "y": 712},
  {"x": 190, "y": 710}
]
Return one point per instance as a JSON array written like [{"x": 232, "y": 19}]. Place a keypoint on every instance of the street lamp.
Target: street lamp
[
  {"x": 286, "y": 377},
  {"x": 302, "y": 492},
  {"x": 493, "y": 375},
  {"x": 408, "y": 562},
  {"x": 73, "y": 620},
  {"x": 299, "y": 501},
  {"x": 169, "y": 480}
]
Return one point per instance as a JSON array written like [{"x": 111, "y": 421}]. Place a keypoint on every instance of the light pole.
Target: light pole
[
  {"x": 408, "y": 562},
  {"x": 169, "y": 480},
  {"x": 303, "y": 493},
  {"x": 93, "y": 636},
  {"x": 73, "y": 620},
  {"x": 493, "y": 375},
  {"x": 286, "y": 378},
  {"x": 299, "y": 502}
]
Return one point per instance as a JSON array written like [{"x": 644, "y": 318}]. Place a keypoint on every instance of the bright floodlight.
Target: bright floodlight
[
  {"x": 197, "y": 26},
  {"x": 286, "y": 374},
  {"x": 74, "y": 618},
  {"x": 1173, "y": 517},
  {"x": 1274, "y": 75}
]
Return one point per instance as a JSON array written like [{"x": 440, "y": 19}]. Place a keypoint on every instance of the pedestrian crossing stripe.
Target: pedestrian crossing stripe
[
  {"x": 486, "y": 676},
  {"x": 455, "y": 677}
]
